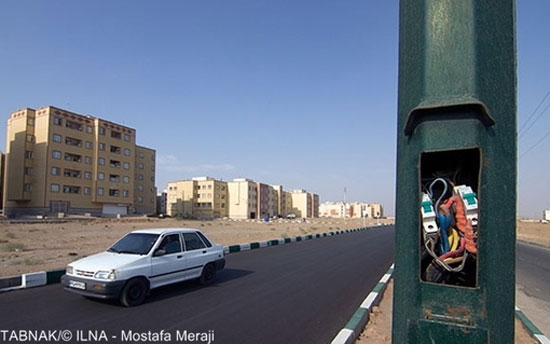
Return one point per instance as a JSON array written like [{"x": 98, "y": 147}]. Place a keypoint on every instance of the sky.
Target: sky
[{"x": 299, "y": 93}]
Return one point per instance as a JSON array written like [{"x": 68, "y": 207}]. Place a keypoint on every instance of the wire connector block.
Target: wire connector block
[
  {"x": 469, "y": 198},
  {"x": 428, "y": 217}
]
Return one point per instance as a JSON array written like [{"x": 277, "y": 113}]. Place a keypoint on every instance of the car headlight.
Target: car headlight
[
  {"x": 106, "y": 275},
  {"x": 69, "y": 270}
]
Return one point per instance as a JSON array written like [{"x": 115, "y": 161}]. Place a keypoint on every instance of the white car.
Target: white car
[{"x": 144, "y": 260}]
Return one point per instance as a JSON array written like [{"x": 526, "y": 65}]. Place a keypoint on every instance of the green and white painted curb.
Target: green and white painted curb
[
  {"x": 531, "y": 328},
  {"x": 276, "y": 242},
  {"x": 37, "y": 279},
  {"x": 359, "y": 319},
  {"x": 30, "y": 280}
]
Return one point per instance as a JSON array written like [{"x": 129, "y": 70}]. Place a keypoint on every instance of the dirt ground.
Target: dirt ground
[
  {"x": 378, "y": 329},
  {"x": 32, "y": 247},
  {"x": 534, "y": 232}
]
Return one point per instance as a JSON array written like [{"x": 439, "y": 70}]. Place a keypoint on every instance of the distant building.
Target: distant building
[
  {"x": 61, "y": 161},
  {"x": 243, "y": 199},
  {"x": 200, "y": 197},
  {"x": 161, "y": 202},
  {"x": 356, "y": 209},
  {"x": 546, "y": 215},
  {"x": 304, "y": 204}
]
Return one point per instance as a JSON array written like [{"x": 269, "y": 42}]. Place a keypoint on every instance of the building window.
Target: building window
[
  {"x": 56, "y": 171},
  {"x": 87, "y": 175},
  {"x": 28, "y": 187},
  {"x": 57, "y": 120},
  {"x": 115, "y": 149},
  {"x": 223, "y": 205},
  {"x": 71, "y": 173},
  {"x": 30, "y": 138},
  {"x": 140, "y": 188},
  {"x": 114, "y": 192},
  {"x": 141, "y": 155},
  {"x": 101, "y": 131},
  {"x": 126, "y": 152},
  {"x": 87, "y": 191},
  {"x": 89, "y": 129},
  {"x": 71, "y": 189},
  {"x": 115, "y": 163},
  {"x": 126, "y": 166},
  {"x": 100, "y": 191},
  {"x": 56, "y": 154},
  {"x": 153, "y": 157},
  {"x": 73, "y": 142},
  {"x": 28, "y": 171},
  {"x": 73, "y": 125},
  {"x": 29, "y": 154},
  {"x": 140, "y": 166},
  {"x": 100, "y": 176},
  {"x": 73, "y": 157},
  {"x": 30, "y": 121},
  {"x": 88, "y": 145},
  {"x": 101, "y": 161},
  {"x": 125, "y": 193},
  {"x": 140, "y": 199},
  {"x": 54, "y": 187},
  {"x": 101, "y": 146},
  {"x": 140, "y": 176},
  {"x": 115, "y": 178},
  {"x": 116, "y": 134},
  {"x": 56, "y": 138},
  {"x": 88, "y": 160},
  {"x": 127, "y": 137},
  {"x": 125, "y": 180}
]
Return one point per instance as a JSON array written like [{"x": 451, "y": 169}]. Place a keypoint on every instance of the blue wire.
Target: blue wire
[{"x": 444, "y": 223}]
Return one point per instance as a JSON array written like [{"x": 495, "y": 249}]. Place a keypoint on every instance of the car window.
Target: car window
[
  {"x": 192, "y": 241},
  {"x": 171, "y": 244},
  {"x": 208, "y": 244},
  {"x": 135, "y": 243}
]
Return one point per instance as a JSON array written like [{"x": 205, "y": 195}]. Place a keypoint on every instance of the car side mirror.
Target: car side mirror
[{"x": 159, "y": 252}]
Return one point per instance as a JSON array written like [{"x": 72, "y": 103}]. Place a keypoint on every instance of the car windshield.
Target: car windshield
[{"x": 135, "y": 243}]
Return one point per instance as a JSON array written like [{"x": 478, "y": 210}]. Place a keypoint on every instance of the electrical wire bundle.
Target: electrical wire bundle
[{"x": 455, "y": 214}]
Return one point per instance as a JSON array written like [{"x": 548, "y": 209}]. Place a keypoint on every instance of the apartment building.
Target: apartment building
[
  {"x": 200, "y": 197},
  {"x": 145, "y": 195},
  {"x": 162, "y": 199},
  {"x": 301, "y": 203},
  {"x": 243, "y": 199},
  {"x": 356, "y": 209},
  {"x": 61, "y": 161}
]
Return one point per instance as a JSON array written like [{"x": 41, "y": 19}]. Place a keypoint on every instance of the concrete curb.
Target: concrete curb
[
  {"x": 531, "y": 328},
  {"x": 360, "y": 318},
  {"x": 276, "y": 242},
  {"x": 37, "y": 279}
]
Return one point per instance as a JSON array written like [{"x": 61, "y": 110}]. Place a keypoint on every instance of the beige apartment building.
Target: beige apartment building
[
  {"x": 304, "y": 204},
  {"x": 355, "y": 209},
  {"x": 61, "y": 161},
  {"x": 243, "y": 199},
  {"x": 200, "y": 197},
  {"x": 145, "y": 194}
]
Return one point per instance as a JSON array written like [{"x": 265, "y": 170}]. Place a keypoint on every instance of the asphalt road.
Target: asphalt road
[
  {"x": 302, "y": 293},
  {"x": 533, "y": 284}
]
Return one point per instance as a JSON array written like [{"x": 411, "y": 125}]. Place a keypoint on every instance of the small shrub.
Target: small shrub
[
  {"x": 10, "y": 235},
  {"x": 15, "y": 246}
]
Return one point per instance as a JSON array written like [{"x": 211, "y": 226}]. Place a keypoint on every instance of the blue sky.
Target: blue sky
[{"x": 298, "y": 93}]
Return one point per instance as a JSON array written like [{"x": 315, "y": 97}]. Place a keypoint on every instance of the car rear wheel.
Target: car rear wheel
[
  {"x": 133, "y": 293},
  {"x": 208, "y": 274}
]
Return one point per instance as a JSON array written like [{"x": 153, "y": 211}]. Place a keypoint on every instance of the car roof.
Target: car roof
[{"x": 166, "y": 230}]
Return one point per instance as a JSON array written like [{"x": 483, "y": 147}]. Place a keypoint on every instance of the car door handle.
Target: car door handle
[
  {"x": 179, "y": 257},
  {"x": 203, "y": 252}
]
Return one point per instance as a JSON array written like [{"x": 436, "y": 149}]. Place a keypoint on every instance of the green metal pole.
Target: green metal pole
[{"x": 457, "y": 119}]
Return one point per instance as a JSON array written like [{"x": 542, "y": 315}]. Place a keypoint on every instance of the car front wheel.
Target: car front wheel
[{"x": 133, "y": 293}]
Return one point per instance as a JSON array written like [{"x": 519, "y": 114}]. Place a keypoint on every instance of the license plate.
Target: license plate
[{"x": 77, "y": 285}]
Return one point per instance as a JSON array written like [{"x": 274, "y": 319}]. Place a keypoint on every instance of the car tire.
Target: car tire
[
  {"x": 208, "y": 274},
  {"x": 133, "y": 293}
]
